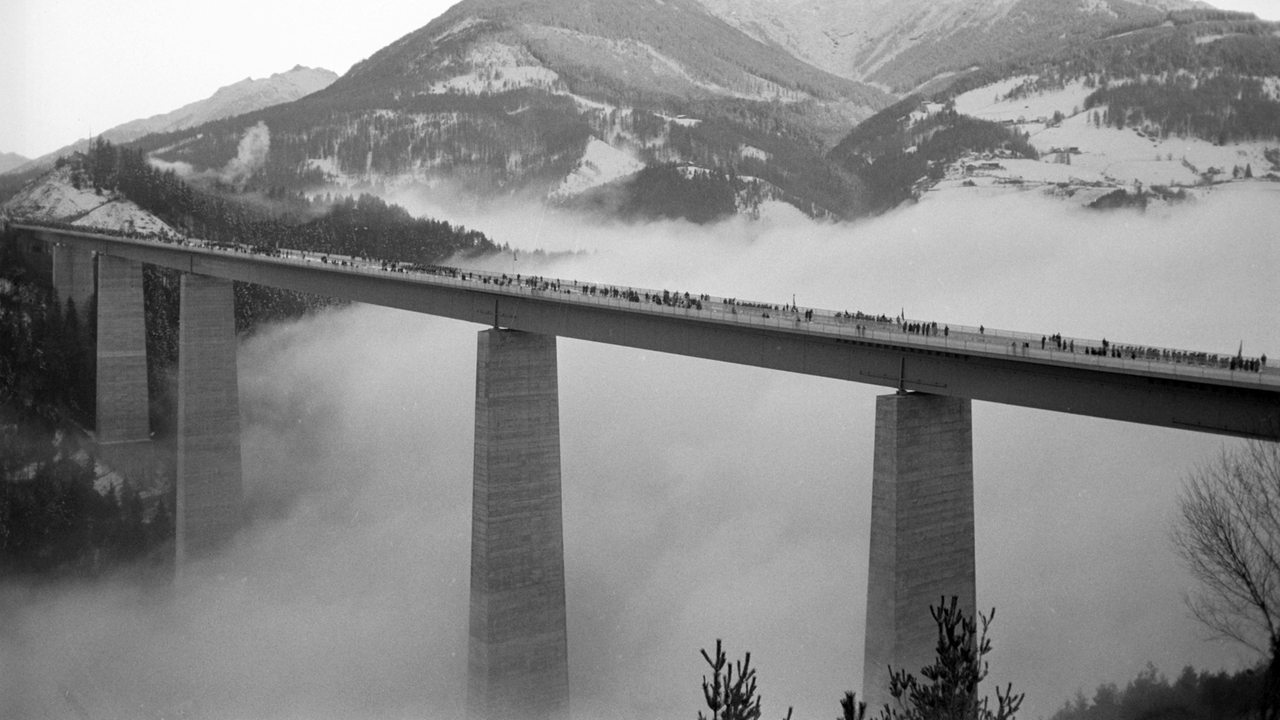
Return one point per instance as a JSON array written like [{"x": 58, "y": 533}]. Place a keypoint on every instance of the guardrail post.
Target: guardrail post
[
  {"x": 922, "y": 531},
  {"x": 518, "y": 650},
  {"x": 209, "y": 474}
]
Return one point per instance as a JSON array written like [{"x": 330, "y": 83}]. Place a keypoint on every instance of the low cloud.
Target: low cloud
[
  {"x": 702, "y": 500},
  {"x": 251, "y": 156}
]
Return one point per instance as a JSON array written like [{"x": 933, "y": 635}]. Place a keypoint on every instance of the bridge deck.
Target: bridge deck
[{"x": 1157, "y": 386}]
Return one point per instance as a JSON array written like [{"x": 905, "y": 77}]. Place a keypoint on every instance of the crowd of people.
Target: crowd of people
[{"x": 863, "y": 323}]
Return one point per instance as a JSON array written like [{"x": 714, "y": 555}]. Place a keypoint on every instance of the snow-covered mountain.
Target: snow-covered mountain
[
  {"x": 228, "y": 101},
  {"x": 901, "y": 43},
  {"x": 517, "y": 96},
  {"x": 641, "y": 107},
  {"x": 1170, "y": 109}
]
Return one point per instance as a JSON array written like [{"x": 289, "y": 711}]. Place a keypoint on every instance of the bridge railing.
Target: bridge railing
[
  {"x": 992, "y": 342},
  {"x": 987, "y": 341}
]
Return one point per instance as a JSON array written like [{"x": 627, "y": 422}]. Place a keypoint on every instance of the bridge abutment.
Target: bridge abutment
[
  {"x": 922, "y": 531},
  {"x": 518, "y": 648},
  {"x": 209, "y": 473},
  {"x": 72, "y": 276}
]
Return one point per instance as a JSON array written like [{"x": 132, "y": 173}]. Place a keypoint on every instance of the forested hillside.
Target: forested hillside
[
  {"x": 1192, "y": 696},
  {"x": 364, "y": 226},
  {"x": 502, "y": 98},
  {"x": 892, "y": 152},
  {"x": 55, "y": 520},
  {"x": 1205, "y": 74}
]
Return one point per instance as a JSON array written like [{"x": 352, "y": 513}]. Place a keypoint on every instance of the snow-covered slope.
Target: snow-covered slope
[
  {"x": 600, "y": 164},
  {"x": 55, "y": 198},
  {"x": 549, "y": 99},
  {"x": 893, "y": 41},
  {"x": 1079, "y": 150},
  {"x": 852, "y": 39}
]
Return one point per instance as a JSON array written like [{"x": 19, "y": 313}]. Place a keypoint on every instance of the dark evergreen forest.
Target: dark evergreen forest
[
  {"x": 366, "y": 226},
  {"x": 55, "y": 520},
  {"x": 1195, "y": 75},
  {"x": 1192, "y": 696}
]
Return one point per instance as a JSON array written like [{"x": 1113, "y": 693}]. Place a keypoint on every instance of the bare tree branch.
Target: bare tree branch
[{"x": 1228, "y": 536}]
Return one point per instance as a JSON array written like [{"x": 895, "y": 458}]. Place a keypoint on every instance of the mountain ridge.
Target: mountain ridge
[
  {"x": 227, "y": 101},
  {"x": 636, "y": 107},
  {"x": 10, "y": 161},
  {"x": 897, "y": 45},
  {"x": 503, "y": 96}
]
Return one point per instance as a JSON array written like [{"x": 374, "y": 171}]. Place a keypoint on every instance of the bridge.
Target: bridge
[{"x": 922, "y": 520}]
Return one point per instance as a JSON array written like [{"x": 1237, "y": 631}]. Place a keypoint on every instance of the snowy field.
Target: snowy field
[{"x": 1106, "y": 154}]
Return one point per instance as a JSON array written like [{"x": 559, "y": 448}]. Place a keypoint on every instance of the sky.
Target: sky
[{"x": 70, "y": 68}]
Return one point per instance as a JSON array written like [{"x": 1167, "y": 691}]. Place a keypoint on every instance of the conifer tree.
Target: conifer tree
[{"x": 948, "y": 689}]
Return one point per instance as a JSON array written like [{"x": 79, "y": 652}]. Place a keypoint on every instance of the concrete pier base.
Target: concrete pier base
[
  {"x": 73, "y": 277},
  {"x": 518, "y": 653},
  {"x": 122, "y": 407},
  {"x": 209, "y": 481},
  {"x": 922, "y": 536}
]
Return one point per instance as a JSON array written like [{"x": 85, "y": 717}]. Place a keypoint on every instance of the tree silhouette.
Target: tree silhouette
[
  {"x": 1228, "y": 535},
  {"x": 948, "y": 689},
  {"x": 727, "y": 697}
]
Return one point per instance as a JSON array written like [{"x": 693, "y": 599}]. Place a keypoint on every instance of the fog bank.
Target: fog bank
[{"x": 702, "y": 500}]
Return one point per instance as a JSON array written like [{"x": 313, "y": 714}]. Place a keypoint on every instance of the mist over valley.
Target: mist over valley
[
  {"x": 1105, "y": 169},
  {"x": 701, "y": 500}
]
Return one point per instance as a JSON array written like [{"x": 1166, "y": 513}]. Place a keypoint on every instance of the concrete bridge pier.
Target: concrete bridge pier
[
  {"x": 209, "y": 482},
  {"x": 73, "y": 277},
  {"x": 922, "y": 532},
  {"x": 518, "y": 650},
  {"x": 123, "y": 415}
]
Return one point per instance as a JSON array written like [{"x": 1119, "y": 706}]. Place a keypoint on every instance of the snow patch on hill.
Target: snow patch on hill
[
  {"x": 991, "y": 102},
  {"x": 464, "y": 24},
  {"x": 55, "y": 198},
  {"x": 496, "y": 67},
  {"x": 601, "y": 164},
  {"x": 853, "y": 39},
  {"x": 125, "y": 216}
]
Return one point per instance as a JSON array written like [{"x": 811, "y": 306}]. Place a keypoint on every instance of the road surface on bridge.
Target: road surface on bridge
[{"x": 1131, "y": 382}]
